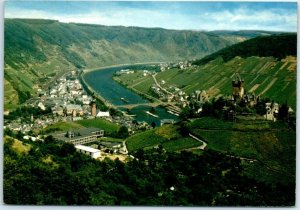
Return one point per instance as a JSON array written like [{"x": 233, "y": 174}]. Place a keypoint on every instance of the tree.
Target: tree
[
  {"x": 184, "y": 128},
  {"x": 283, "y": 112},
  {"x": 49, "y": 139},
  {"x": 67, "y": 149},
  {"x": 186, "y": 113},
  {"x": 207, "y": 109},
  {"x": 123, "y": 132},
  {"x": 153, "y": 124}
]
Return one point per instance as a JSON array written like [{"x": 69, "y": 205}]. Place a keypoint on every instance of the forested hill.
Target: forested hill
[
  {"x": 38, "y": 49},
  {"x": 277, "y": 46}
]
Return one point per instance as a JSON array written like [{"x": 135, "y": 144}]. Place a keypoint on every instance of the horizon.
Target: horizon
[
  {"x": 145, "y": 27},
  {"x": 193, "y": 16}
]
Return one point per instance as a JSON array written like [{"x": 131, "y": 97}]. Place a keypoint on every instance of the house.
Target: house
[
  {"x": 73, "y": 110},
  {"x": 272, "y": 111},
  {"x": 167, "y": 121},
  {"x": 58, "y": 110},
  {"x": 94, "y": 153},
  {"x": 41, "y": 106},
  {"x": 80, "y": 136}
]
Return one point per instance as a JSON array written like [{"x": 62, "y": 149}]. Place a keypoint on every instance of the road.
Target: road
[
  {"x": 154, "y": 104},
  {"x": 160, "y": 86},
  {"x": 204, "y": 144}
]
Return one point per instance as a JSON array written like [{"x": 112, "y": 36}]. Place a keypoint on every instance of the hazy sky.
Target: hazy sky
[{"x": 273, "y": 16}]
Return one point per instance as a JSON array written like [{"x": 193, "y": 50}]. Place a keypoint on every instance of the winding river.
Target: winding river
[{"x": 101, "y": 81}]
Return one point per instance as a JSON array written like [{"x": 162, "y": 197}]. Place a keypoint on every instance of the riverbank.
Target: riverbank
[
  {"x": 101, "y": 98},
  {"x": 144, "y": 95},
  {"x": 120, "y": 65}
]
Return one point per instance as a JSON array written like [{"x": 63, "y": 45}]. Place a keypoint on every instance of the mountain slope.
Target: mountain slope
[
  {"x": 278, "y": 46},
  {"x": 266, "y": 75},
  {"x": 37, "y": 50}
]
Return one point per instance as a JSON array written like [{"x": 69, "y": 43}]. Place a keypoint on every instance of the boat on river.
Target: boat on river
[
  {"x": 123, "y": 99},
  {"x": 153, "y": 115}
]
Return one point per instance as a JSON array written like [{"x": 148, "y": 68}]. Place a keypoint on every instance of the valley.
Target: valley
[
  {"x": 94, "y": 115},
  {"x": 37, "y": 50}
]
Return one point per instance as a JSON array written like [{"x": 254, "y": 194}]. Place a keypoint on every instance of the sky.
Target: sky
[{"x": 207, "y": 16}]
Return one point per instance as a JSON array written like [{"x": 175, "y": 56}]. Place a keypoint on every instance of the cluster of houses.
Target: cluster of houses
[
  {"x": 66, "y": 97},
  {"x": 175, "y": 94},
  {"x": 124, "y": 71},
  {"x": 179, "y": 64}
]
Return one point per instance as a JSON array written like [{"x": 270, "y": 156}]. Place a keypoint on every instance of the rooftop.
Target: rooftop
[{"x": 85, "y": 148}]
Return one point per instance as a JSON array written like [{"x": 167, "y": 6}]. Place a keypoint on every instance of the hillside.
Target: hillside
[
  {"x": 38, "y": 50},
  {"x": 278, "y": 46},
  {"x": 269, "y": 74}
]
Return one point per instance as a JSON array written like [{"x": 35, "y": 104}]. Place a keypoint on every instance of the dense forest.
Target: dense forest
[
  {"x": 278, "y": 46},
  {"x": 53, "y": 173}
]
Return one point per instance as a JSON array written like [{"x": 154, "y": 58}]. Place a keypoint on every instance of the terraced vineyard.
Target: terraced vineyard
[
  {"x": 272, "y": 146},
  {"x": 265, "y": 76}
]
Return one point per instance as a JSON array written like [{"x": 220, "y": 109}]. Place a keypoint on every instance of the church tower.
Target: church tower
[{"x": 93, "y": 109}]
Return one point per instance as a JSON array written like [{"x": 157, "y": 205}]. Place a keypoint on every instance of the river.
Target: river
[{"x": 101, "y": 81}]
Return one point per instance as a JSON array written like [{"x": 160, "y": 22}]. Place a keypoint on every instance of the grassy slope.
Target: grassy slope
[
  {"x": 167, "y": 136},
  {"x": 63, "y": 126},
  {"x": 97, "y": 123},
  {"x": 36, "y": 49},
  {"x": 277, "y": 46}
]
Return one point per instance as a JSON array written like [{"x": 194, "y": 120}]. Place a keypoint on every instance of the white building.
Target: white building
[
  {"x": 103, "y": 114},
  {"x": 41, "y": 106},
  {"x": 94, "y": 153}
]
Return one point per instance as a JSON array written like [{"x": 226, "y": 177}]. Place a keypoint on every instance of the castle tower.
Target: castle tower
[
  {"x": 237, "y": 87},
  {"x": 93, "y": 109}
]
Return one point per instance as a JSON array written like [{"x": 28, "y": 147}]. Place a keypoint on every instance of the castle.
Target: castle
[
  {"x": 237, "y": 87},
  {"x": 238, "y": 91}
]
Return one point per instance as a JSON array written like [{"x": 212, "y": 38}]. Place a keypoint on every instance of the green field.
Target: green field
[
  {"x": 99, "y": 123},
  {"x": 107, "y": 126},
  {"x": 62, "y": 126},
  {"x": 167, "y": 136},
  {"x": 180, "y": 144},
  {"x": 267, "y": 76}
]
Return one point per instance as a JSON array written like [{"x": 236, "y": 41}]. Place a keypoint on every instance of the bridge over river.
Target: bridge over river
[{"x": 154, "y": 104}]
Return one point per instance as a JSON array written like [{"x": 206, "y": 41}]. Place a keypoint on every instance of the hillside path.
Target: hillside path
[{"x": 204, "y": 144}]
